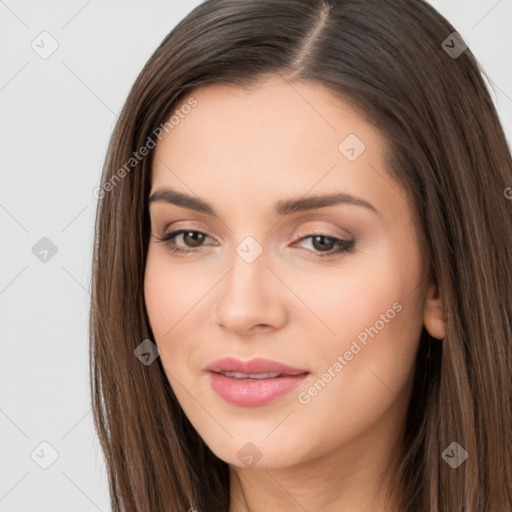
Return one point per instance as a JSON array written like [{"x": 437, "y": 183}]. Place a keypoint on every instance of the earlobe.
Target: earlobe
[{"x": 434, "y": 313}]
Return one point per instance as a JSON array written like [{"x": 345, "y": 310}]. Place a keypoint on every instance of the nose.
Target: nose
[{"x": 251, "y": 297}]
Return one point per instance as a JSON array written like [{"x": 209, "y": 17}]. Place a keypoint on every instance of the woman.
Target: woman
[{"x": 301, "y": 294}]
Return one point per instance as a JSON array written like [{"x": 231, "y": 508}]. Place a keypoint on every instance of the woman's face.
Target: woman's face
[{"x": 332, "y": 288}]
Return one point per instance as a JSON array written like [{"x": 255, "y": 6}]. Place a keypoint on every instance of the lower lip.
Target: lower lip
[{"x": 253, "y": 392}]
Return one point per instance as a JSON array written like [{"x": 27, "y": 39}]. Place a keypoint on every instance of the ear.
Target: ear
[{"x": 434, "y": 314}]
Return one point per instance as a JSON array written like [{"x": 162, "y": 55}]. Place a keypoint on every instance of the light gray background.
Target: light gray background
[{"x": 56, "y": 118}]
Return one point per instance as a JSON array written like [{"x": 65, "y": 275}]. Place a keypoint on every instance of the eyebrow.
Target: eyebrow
[{"x": 281, "y": 208}]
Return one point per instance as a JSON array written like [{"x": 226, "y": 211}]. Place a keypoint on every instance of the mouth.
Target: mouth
[
  {"x": 253, "y": 383},
  {"x": 238, "y": 375}
]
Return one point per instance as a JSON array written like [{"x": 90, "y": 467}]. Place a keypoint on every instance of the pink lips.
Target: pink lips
[{"x": 252, "y": 392}]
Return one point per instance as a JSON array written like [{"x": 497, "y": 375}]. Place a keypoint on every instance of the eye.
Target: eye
[
  {"x": 327, "y": 246},
  {"x": 195, "y": 238},
  {"x": 323, "y": 244}
]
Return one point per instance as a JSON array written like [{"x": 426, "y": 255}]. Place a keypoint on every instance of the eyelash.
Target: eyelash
[{"x": 344, "y": 246}]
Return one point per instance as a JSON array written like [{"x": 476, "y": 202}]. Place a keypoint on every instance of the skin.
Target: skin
[{"x": 242, "y": 150}]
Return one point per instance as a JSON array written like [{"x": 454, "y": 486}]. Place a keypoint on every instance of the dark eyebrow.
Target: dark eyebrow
[{"x": 284, "y": 207}]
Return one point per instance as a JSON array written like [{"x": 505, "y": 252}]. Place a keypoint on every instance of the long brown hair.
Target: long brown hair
[{"x": 399, "y": 63}]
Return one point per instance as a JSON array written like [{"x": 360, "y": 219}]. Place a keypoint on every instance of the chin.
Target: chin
[{"x": 258, "y": 452}]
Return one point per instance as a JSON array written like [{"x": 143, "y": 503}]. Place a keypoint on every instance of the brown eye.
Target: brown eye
[
  {"x": 326, "y": 245},
  {"x": 188, "y": 240},
  {"x": 193, "y": 238},
  {"x": 323, "y": 243}
]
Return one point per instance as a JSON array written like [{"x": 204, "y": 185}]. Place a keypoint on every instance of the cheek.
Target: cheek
[
  {"x": 170, "y": 292},
  {"x": 169, "y": 296},
  {"x": 375, "y": 311},
  {"x": 377, "y": 323},
  {"x": 345, "y": 302},
  {"x": 178, "y": 299}
]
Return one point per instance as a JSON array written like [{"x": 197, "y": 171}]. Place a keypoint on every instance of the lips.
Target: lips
[
  {"x": 255, "y": 366},
  {"x": 253, "y": 383}
]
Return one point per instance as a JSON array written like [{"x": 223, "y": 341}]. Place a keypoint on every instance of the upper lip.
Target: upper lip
[{"x": 256, "y": 365}]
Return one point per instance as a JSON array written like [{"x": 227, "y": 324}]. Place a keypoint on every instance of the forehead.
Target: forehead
[
  {"x": 273, "y": 140},
  {"x": 294, "y": 112}
]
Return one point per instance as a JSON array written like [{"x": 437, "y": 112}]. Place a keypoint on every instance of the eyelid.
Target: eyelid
[
  {"x": 186, "y": 225},
  {"x": 308, "y": 230},
  {"x": 303, "y": 231}
]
